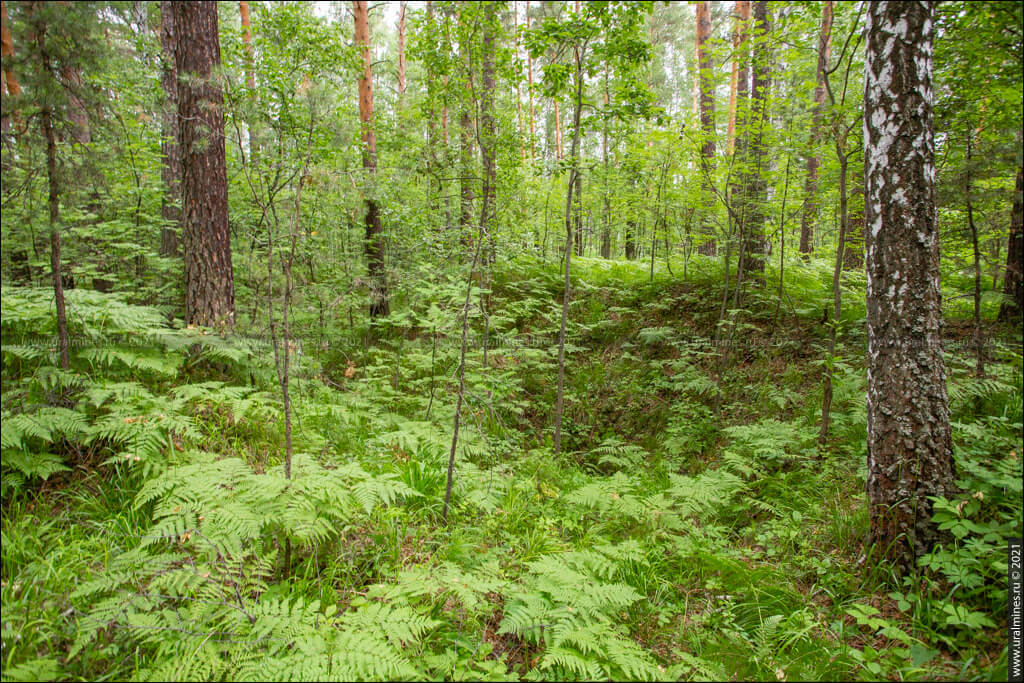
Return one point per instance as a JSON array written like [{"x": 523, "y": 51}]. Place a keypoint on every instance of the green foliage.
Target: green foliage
[
  {"x": 772, "y": 442},
  {"x": 105, "y": 406},
  {"x": 691, "y": 529},
  {"x": 569, "y": 604}
]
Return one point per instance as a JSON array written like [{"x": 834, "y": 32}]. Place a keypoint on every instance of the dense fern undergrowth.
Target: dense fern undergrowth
[{"x": 692, "y": 529}]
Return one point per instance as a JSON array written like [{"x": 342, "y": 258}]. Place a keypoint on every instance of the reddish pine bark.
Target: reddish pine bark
[
  {"x": 10, "y": 81},
  {"x": 250, "y": 73},
  {"x": 379, "y": 306}
]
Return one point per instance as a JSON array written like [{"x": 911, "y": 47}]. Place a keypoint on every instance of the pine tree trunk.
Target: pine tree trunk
[
  {"x": 606, "y": 229},
  {"x": 53, "y": 180},
  {"x": 209, "y": 280},
  {"x": 374, "y": 236},
  {"x": 466, "y": 156},
  {"x": 76, "y": 113},
  {"x": 1013, "y": 282},
  {"x": 10, "y": 81},
  {"x": 757, "y": 188},
  {"x": 810, "y": 209},
  {"x": 706, "y": 97},
  {"x": 488, "y": 139},
  {"x": 401, "y": 50},
  {"x": 740, "y": 190},
  {"x": 9, "y": 87},
  {"x": 170, "y": 169},
  {"x": 741, "y": 17},
  {"x": 910, "y": 450},
  {"x": 250, "y": 80},
  {"x": 250, "y": 73}
]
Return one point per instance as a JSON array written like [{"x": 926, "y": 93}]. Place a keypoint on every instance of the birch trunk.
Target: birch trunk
[{"x": 910, "y": 450}]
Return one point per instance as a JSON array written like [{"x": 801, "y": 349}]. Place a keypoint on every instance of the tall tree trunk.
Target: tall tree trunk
[
  {"x": 810, "y": 209},
  {"x": 978, "y": 339},
  {"x": 910, "y": 449},
  {"x": 853, "y": 252},
  {"x": 529, "y": 88},
  {"x": 54, "y": 187},
  {"x": 250, "y": 79},
  {"x": 757, "y": 188},
  {"x": 706, "y": 92},
  {"x": 374, "y": 237},
  {"x": 578, "y": 213},
  {"x": 466, "y": 153},
  {"x": 1013, "y": 282},
  {"x": 444, "y": 121},
  {"x": 466, "y": 149},
  {"x": 837, "y": 292},
  {"x": 558, "y": 133},
  {"x": 566, "y": 293},
  {"x": 53, "y": 180},
  {"x": 9, "y": 87},
  {"x": 209, "y": 280},
  {"x": 740, "y": 191},
  {"x": 519, "y": 84},
  {"x": 401, "y": 50},
  {"x": 488, "y": 139},
  {"x": 606, "y": 229},
  {"x": 10, "y": 81},
  {"x": 250, "y": 71},
  {"x": 741, "y": 17},
  {"x": 782, "y": 244},
  {"x": 170, "y": 169},
  {"x": 434, "y": 164},
  {"x": 77, "y": 114}
]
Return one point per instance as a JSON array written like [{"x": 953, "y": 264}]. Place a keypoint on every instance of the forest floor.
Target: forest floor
[{"x": 691, "y": 527}]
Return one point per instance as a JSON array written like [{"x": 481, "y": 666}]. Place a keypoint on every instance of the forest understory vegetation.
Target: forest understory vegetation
[
  {"x": 510, "y": 340},
  {"x": 145, "y": 510}
]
